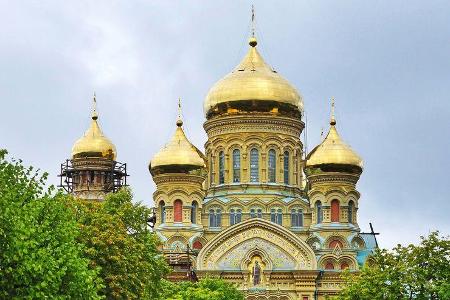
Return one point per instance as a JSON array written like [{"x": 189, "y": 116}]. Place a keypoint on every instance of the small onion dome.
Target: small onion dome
[
  {"x": 94, "y": 143},
  {"x": 253, "y": 83},
  {"x": 178, "y": 155},
  {"x": 333, "y": 154}
]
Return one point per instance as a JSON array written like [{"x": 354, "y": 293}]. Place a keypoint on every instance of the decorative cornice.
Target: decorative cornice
[
  {"x": 178, "y": 177},
  {"x": 333, "y": 177},
  {"x": 253, "y": 123}
]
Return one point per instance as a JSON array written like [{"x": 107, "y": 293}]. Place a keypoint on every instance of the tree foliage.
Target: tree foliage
[
  {"x": 205, "y": 289},
  {"x": 411, "y": 272},
  {"x": 39, "y": 253},
  {"x": 118, "y": 241}
]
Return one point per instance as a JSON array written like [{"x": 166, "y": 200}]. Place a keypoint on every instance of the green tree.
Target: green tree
[
  {"x": 411, "y": 272},
  {"x": 118, "y": 240},
  {"x": 39, "y": 253},
  {"x": 205, "y": 289}
]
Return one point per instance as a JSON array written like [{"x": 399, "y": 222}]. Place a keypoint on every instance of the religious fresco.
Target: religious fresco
[{"x": 234, "y": 258}]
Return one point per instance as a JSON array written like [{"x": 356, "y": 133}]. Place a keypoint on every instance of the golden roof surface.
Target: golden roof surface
[
  {"x": 178, "y": 152},
  {"x": 252, "y": 79},
  {"x": 333, "y": 150},
  {"x": 93, "y": 143}
]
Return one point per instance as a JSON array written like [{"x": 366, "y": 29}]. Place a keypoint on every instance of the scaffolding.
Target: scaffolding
[{"x": 114, "y": 174}]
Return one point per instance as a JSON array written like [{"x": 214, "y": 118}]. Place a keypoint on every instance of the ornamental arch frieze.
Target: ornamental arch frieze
[{"x": 278, "y": 248}]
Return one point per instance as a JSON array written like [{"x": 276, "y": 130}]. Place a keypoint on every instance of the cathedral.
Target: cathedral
[{"x": 252, "y": 208}]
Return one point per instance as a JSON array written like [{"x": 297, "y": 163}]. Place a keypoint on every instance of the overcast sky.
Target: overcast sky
[{"x": 387, "y": 63}]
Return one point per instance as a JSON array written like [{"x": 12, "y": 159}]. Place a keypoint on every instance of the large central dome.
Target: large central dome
[{"x": 252, "y": 83}]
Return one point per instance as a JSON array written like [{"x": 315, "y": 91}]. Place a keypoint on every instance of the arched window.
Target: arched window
[
  {"x": 335, "y": 211},
  {"x": 276, "y": 216},
  {"x": 296, "y": 217},
  {"x": 221, "y": 167},
  {"x": 256, "y": 213},
  {"x": 286, "y": 167},
  {"x": 178, "y": 211},
  {"x": 215, "y": 218},
  {"x": 194, "y": 212},
  {"x": 279, "y": 217},
  {"x": 335, "y": 243},
  {"x": 254, "y": 165},
  {"x": 272, "y": 164},
  {"x": 344, "y": 266},
  {"x": 329, "y": 265},
  {"x": 319, "y": 213},
  {"x": 350, "y": 211},
  {"x": 162, "y": 211},
  {"x": 218, "y": 217},
  {"x": 235, "y": 216},
  {"x": 236, "y": 165},
  {"x": 238, "y": 215},
  {"x": 212, "y": 218},
  {"x": 232, "y": 217}
]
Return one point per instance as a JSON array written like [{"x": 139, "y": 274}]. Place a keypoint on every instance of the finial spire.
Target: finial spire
[
  {"x": 333, "y": 119},
  {"x": 252, "y": 42},
  {"x": 179, "y": 120},
  {"x": 94, "y": 114}
]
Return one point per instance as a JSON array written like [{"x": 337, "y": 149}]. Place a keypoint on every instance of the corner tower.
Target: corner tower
[
  {"x": 93, "y": 171},
  {"x": 332, "y": 170},
  {"x": 178, "y": 171}
]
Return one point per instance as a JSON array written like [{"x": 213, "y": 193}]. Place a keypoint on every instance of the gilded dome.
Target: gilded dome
[
  {"x": 333, "y": 151},
  {"x": 93, "y": 143},
  {"x": 178, "y": 154},
  {"x": 252, "y": 80}
]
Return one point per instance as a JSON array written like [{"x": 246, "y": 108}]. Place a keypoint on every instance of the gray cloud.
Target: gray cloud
[{"x": 387, "y": 63}]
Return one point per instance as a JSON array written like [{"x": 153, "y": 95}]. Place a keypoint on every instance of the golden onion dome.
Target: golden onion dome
[
  {"x": 333, "y": 151},
  {"x": 252, "y": 80},
  {"x": 93, "y": 143},
  {"x": 178, "y": 154}
]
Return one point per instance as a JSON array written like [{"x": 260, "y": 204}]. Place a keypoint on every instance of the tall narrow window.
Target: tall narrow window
[
  {"x": 218, "y": 217},
  {"x": 212, "y": 218},
  {"x": 254, "y": 165},
  {"x": 335, "y": 211},
  {"x": 296, "y": 217},
  {"x": 252, "y": 213},
  {"x": 162, "y": 211},
  {"x": 238, "y": 215},
  {"x": 211, "y": 171},
  {"x": 194, "y": 212},
  {"x": 279, "y": 217},
  {"x": 319, "y": 214},
  {"x": 236, "y": 165},
  {"x": 273, "y": 215},
  {"x": 232, "y": 217},
  {"x": 178, "y": 211},
  {"x": 221, "y": 167},
  {"x": 272, "y": 165},
  {"x": 350, "y": 211},
  {"x": 286, "y": 167}
]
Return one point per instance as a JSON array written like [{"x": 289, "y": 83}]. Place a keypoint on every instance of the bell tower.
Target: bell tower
[{"x": 92, "y": 171}]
